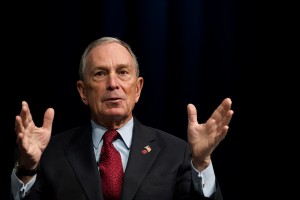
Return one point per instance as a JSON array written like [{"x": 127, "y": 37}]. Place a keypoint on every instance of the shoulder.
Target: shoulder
[
  {"x": 161, "y": 136},
  {"x": 71, "y": 136}
]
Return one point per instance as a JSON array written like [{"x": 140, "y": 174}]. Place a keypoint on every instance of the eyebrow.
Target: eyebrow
[{"x": 117, "y": 66}]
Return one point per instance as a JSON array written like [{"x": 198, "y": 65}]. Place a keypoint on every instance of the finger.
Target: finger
[
  {"x": 222, "y": 116},
  {"x": 223, "y": 133},
  {"x": 18, "y": 124},
  {"x": 211, "y": 125},
  {"x": 21, "y": 118},
  {"x": 226, "y": 104},
  {"x": 19, "y": 130},
  {"x": 192, "y": 113},
  {"x": 228, "y": 117},
  {"x": 222, "y": 110},
  {"x": 25, "y": 114},
  {"x": 219, "y": 131},
  {"x": 225, "y": 117},
  {"x": 48, "y": 118}
]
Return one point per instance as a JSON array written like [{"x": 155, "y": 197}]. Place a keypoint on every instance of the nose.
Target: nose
[{"x": 112, "y": 81}]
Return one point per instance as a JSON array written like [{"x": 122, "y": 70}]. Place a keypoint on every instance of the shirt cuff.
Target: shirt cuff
[
  {"x": 204, "y": 182},
  {"x": 19, "y": 189}
]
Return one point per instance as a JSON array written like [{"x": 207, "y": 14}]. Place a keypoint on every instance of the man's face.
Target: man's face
[{"x": 111, "y": 87}]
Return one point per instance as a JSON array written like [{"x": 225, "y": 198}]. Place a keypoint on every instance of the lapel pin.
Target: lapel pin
[{"x": 146, "y": 149}]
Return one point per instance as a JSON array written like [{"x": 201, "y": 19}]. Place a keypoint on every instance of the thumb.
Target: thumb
[
  {"x": 192, "y": 114},
  {"x": 48, "y": 118}
]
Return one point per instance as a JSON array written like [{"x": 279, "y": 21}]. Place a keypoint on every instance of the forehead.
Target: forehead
[{"x": 109, "y": 54}]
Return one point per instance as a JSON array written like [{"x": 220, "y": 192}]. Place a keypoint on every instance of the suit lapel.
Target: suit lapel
[
  {"x": 139, "y": 161},
  {"x": 82, "y": 158}
]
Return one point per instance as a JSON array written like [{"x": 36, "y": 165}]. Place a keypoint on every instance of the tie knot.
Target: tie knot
[{"x": 110, "y": 136}]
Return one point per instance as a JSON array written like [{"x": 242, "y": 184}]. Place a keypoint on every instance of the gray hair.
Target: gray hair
[{"x": 101, "y": 41}]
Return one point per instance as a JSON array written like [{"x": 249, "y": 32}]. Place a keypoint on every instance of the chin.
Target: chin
[{"x": 117, "y": 112}]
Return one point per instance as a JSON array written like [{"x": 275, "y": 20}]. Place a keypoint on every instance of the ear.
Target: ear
[
  {"x": 138, "y": 88},
  {"x": 82, "y": 92}
]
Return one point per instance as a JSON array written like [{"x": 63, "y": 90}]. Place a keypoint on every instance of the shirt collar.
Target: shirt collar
[{"x": 125, "y": 133}]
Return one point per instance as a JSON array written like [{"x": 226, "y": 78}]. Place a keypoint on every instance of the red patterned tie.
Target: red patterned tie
[{"x": 110, "y": 167}]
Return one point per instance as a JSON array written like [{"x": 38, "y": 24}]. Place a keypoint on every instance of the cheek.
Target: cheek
[
  {"x": 93, "y": 95},
  {"x": 96, "y": 89},
  {"x": 131, "y": 97}
]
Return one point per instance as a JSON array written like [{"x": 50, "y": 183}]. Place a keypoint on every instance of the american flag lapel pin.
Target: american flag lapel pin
[{"x": 146, "y": 149}]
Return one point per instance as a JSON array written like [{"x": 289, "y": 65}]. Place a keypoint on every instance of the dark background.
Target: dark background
[{"x": 189, "y": 51}]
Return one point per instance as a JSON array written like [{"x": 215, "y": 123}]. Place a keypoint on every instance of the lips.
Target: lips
[{"x": 112, "y": 99}]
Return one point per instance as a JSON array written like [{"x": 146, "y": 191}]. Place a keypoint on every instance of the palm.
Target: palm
[
  {"x": 32, "y": 140},
  {"x": 205, "y": 137}
]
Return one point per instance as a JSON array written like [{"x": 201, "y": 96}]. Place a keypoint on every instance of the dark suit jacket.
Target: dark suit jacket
[{"x": 68, "y": 168}]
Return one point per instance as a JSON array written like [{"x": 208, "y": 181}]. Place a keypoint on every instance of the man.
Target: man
[{"x": 156, "y": 165}]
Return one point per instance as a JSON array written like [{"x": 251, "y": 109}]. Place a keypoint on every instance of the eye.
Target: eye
[
  {"x": 124, "y": 73},
  {"x": 100, "y": 73}
]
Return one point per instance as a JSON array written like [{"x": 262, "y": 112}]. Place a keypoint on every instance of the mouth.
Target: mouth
[{"x": 112, "y": 99}]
